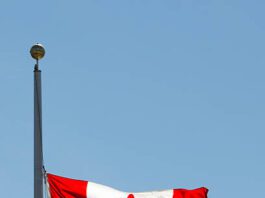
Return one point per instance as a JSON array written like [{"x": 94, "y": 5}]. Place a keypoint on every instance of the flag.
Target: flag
[{"x": 61, "y": 187}]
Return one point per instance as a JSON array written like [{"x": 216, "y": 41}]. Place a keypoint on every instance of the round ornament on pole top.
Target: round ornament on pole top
[{"x": 37, "y": 51}]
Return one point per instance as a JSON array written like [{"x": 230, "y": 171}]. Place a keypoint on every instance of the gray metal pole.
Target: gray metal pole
[
  {"x": 38, "y": 155},
  {"x": 37, "y": 52}
]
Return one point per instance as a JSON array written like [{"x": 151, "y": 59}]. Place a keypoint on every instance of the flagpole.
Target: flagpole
[{"x": 37, "y": 52}]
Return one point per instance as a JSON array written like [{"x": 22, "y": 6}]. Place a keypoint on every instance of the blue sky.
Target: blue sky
[{"x": 137, "y": 94}]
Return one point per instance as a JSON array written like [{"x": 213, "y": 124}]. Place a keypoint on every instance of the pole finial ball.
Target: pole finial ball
[{"x": 37, "y": 51}]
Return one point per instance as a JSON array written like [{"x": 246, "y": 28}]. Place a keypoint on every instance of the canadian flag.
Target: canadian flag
[{"x": 61, "y": 187}]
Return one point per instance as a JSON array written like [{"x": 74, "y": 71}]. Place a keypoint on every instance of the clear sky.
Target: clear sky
[{"x": 137, "y": 94}]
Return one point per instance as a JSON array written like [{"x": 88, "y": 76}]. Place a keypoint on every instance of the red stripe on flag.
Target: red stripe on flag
[
  {"x": 196, "y": 193},
  {"x": 61, "y": 187}
]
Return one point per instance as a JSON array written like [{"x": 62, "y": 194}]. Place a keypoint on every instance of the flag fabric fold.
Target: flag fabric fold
[{"x": 61, "y": 187}]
